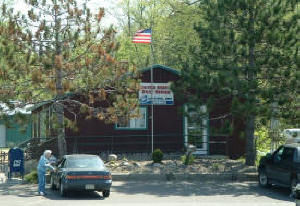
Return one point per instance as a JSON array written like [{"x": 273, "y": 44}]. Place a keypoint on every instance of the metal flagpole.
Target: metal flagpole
[
  {"x": 152, "y": 106},
  {"x": 142, "y": 36},
  {"x": 152, "y": 113}
]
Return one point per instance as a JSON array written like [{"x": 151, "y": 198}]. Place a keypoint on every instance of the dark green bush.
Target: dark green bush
[
  {"x": 32, "y": 177},
  {"x": 157, "y": 156}
]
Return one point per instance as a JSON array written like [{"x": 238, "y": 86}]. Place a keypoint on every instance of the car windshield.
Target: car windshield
[
  {"x": 85, "y": 162},
  {"x": 295, "y": 133}
]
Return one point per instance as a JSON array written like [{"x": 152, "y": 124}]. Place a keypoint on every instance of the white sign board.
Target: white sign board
[{"x": 156, "y": 93}]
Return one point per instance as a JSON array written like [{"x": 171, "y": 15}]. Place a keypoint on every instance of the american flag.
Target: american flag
[{"x": 142, "y": 36}]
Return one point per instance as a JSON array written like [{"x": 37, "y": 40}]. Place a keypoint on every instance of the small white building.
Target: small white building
[{"x": 11, "y": 134}]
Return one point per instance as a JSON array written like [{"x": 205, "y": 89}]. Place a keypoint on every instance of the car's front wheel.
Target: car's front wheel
[
  {"x": 106, "y": 193},
  {"x": 263, "y": 179},
  {"x": 62, "y": 190}
]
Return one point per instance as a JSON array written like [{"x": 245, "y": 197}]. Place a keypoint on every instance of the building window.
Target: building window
[{"x": 135, "y": 123}]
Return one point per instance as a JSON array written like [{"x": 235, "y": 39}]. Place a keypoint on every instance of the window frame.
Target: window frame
[
  {"x": 286, "y": 151},
  {"x": 277, "y": 157},
  {"x": 130, "y": 128},
  {"x": 62, "y": 164}
]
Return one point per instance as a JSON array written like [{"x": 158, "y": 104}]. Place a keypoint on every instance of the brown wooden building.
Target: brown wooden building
[{"x": 174, "y": 124}]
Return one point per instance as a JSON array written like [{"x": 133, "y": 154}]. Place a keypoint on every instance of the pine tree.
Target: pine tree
[
  {"x": 248, "y": 53},
  {"x": 66, "y": 50}
]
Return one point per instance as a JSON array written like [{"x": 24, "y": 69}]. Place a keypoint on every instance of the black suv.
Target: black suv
[{"x": 281, "y": 168}]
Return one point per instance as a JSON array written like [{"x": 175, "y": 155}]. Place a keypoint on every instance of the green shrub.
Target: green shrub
[
  {"x": 157, "y": 156},
  {"x": 187, "y": 161},
  {"x": 32, "y": 177},
  {"x": 242, "y": 159},
  {"x": 215, "y": 167}
]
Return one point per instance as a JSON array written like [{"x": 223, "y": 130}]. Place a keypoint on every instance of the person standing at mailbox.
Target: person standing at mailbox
[{"x": 42, "y": 167}]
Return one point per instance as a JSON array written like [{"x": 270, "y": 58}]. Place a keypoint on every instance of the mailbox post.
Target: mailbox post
[{"x": 16, "y": 162}]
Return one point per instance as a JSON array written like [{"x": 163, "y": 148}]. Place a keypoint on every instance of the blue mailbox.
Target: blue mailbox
[{"x": 16, "y": 161}]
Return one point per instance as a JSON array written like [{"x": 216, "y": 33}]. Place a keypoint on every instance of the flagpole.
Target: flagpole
[
  {"x": 145, "y": 37},
  {"x": 152, "y": 106}
]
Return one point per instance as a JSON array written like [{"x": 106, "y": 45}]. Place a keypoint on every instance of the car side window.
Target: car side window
[
  {"x": 288, "y": 154},
  {"x": 297, "y": 156},
  {"x": 62, "y": 164},
  {"x": 278, "y": 155}
]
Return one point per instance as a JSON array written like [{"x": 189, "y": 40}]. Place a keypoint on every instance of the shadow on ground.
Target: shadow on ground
[
  {"x": 18, "y": 189},
  {"x": 160, "y": 189},
  {"x": 207, "y": 188},
  {"x": 85, "y": 195}
]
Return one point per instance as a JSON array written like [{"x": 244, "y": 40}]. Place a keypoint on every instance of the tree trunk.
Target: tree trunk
[
  {"x": 62, "y": 147},
  {"x": 128, "y": 18},
  {"x": 250, "y": 141},
  {"x": 250, "y": 122}
]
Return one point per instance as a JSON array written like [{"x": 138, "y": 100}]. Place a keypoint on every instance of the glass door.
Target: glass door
[{"x": 196, "y": 128}]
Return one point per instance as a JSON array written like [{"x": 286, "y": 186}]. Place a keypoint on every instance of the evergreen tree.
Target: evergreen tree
[
  {"x": 67, "y": 51},
  {"x": 248, "y": 53}
]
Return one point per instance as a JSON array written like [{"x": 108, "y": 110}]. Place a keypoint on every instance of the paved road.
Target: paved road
[{"x": 154, "y": 193}]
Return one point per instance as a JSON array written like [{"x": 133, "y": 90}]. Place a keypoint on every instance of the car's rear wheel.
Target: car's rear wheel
[
  {"x": 263, "y": 179},
  {"x": 106, "y": 193},
  {"x": 62, "y": 190},
  {"x": 53, "y": 186}
]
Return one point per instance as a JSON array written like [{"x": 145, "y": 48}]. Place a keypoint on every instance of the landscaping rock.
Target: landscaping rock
[
  {"x": 112, "y": 157},
  {"x": 157, "y": 165},
  {"x": 125, "y": 163},
  {"x": 199, "y": 166},
  {"x": 136, "y": 164}
]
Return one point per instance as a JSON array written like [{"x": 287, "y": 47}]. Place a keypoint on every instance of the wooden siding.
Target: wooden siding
[
  {"x": 226, "y": 143},
  {"x": 95, "y": 136}
]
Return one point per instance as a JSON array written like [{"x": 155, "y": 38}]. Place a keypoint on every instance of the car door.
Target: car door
[
  {"x": 285, "y": 165},
  {"x": 272, "y": 168},
  {"x": 60, "y": 170}
]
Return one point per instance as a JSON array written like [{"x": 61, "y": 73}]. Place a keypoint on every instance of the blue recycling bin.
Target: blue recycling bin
[{"x": 16, "y": 162}]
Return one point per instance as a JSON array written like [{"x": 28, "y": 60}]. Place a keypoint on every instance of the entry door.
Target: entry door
[
  {"x": 2, "y": 135},
  {"x": 196, "y": 128}
]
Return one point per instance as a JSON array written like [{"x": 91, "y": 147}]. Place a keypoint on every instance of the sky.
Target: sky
[{"x": 110, "y": 9}]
